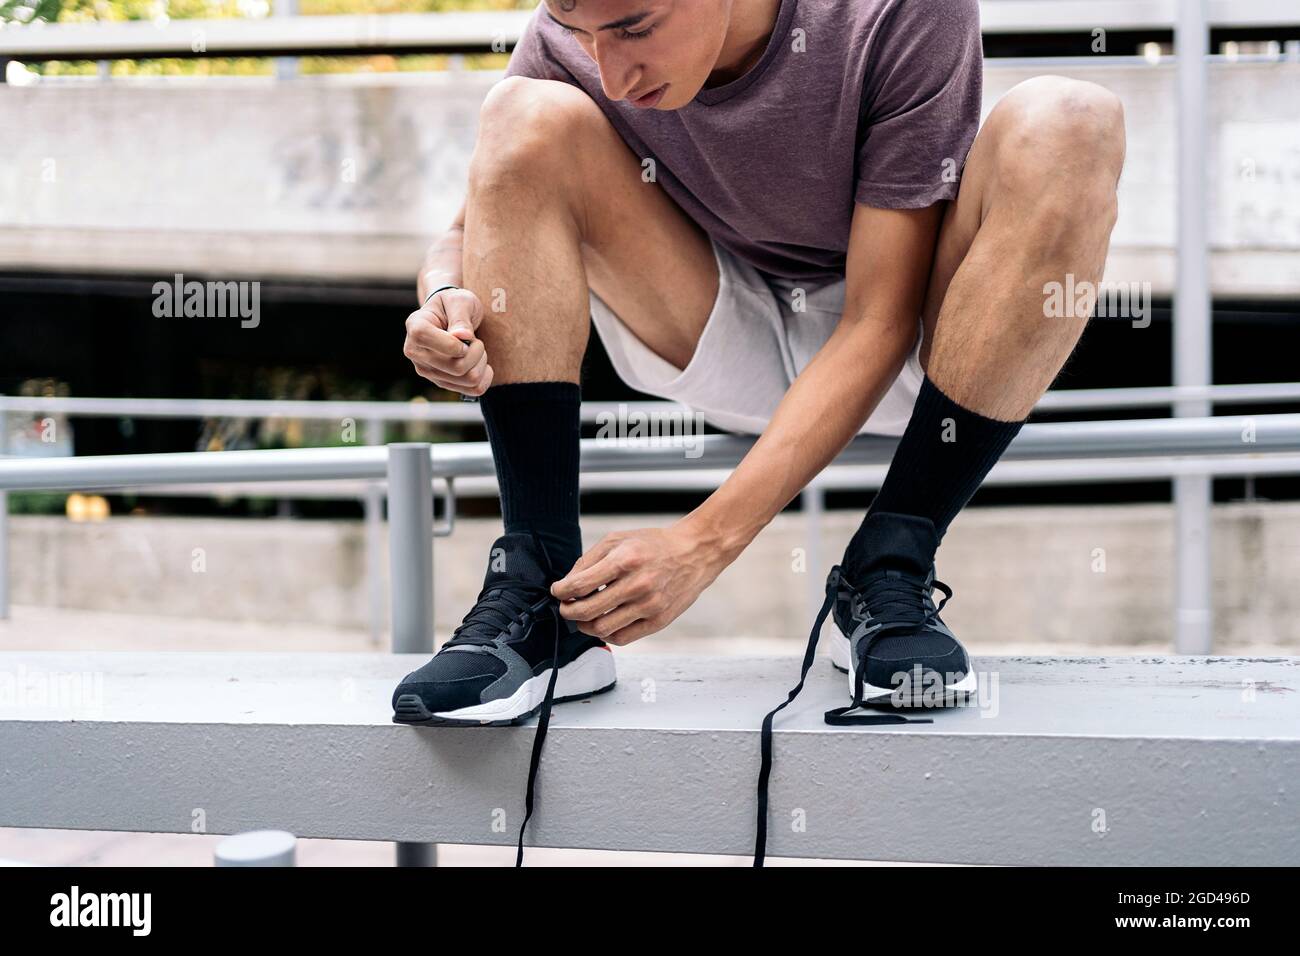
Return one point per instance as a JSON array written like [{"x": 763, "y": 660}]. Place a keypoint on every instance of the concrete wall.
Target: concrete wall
[
  {"x": 1078, "y": 575},
  {"x": 348, "y": 176}
]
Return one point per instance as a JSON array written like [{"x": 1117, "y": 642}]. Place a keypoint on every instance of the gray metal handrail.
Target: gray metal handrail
[
  {"x": 453, "y": 412},
  {"x": 410, "y": 474},
  {"x": 1093, "y": 439},
  {"x": 1057, "y": 400}
]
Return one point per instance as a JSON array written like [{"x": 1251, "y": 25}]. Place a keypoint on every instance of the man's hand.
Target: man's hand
[
  {"x": 649, "y": 577},
  {"x": 441, "y": 345}
]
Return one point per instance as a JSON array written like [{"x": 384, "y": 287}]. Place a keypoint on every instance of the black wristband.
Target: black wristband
[{"x": 435, "y": 292}]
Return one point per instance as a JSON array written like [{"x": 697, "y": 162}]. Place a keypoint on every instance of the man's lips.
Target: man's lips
[{"x": 646, "y": 100}]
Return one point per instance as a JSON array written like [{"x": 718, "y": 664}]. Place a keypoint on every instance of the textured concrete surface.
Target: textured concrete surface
[
  {"x": 1086, "y": 761},
  {"x": 1102, "y": 577}
]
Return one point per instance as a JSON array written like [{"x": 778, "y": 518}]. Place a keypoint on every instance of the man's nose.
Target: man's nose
[{"x": 618, "y": 74}]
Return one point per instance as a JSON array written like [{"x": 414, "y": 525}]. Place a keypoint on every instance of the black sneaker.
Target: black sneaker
[
  {"x": 497, "y": 668},
  {"x": 892, "y": 635},
  {"x": 894, "y": 646},
  {"x": 500, "y": 664}
]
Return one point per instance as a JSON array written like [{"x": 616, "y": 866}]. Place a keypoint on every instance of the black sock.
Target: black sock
[
  {"x": 943, "y": 456},
  {"x": 534, "y": 431}
]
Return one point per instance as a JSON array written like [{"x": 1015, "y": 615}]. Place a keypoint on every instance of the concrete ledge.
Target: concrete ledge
[{"x": 1157, "y": 761}]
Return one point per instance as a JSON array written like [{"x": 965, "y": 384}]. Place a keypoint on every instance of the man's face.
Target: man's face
[{"x": 656, "y": 54}]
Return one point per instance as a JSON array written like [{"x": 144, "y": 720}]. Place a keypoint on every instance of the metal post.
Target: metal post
[
  {"x": 1193, "y": 626},
  {"x": 410, "y": 546},
  {"x": 410, "y": 570},
  {"x": 286, "y": 67},
  {"x": 374, "y": 527},
  {"x": 257, "y": 848}
]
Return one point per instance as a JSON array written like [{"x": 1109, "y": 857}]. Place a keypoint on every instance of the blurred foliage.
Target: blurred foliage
[
  {"x": 297, "y": 383},
  {"x": 82, "y": 11},
  {"x": 37, "y": 502},
  {"x": 89, "y": 11}
]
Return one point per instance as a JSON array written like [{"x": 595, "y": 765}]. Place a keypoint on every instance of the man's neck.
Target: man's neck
[{"x": 752, "y": 22}]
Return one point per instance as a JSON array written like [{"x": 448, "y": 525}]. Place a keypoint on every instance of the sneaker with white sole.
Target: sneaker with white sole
[
  {"x": 891, "y": 632},
  {"x": 894, "y": 646},
  {"x": 499, "y": 662},
  {"x": 512, "y": 656}
]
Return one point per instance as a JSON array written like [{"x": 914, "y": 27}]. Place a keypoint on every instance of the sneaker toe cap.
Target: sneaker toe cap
[
  {"x": 444, "y": 684},
  {"x": 944, "y": 657}
]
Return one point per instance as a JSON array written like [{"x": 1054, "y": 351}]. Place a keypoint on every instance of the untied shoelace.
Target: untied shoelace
[{"x": 839, "y": 716}]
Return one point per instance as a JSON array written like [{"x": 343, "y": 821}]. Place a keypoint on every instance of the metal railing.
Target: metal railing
[
  {"x": 374, "y": 416},
  {"x": 1263, "y": 444}
]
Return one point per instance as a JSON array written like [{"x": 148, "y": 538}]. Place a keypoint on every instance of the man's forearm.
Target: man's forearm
[
  {"x": 443, "y": 263},
  {"x": 817, "y": 418}
]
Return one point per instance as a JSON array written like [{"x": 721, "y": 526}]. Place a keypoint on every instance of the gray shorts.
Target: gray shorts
[{"x": 752, "y": 347}]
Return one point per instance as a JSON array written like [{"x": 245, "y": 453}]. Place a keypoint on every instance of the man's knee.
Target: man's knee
[
  {"x": 1053, "y": 131},
  {"x": 531, "y": 130},
  {"x": 1059, "y": 150}
]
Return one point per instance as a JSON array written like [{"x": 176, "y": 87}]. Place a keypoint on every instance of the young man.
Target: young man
[{"x": 786, "y": 221}]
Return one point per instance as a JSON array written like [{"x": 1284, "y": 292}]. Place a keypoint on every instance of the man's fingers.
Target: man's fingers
[
  {"x": 464, "y": 312},
  {"x": 587, "y": 573},
  {"x": 604, "y": 601},
  {"x": 470, "y": 362},
  {"x": 464, "y": 386},
  {"x": 616, "y": 620},
  {"x": 633, "y": 632},
  {"x": 424, "y": 331},
  {"x": 468, "y": 370}
]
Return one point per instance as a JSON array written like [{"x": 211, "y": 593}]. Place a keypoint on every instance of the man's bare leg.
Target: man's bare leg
[
  {"x": 1037, "y": 203},
  {"x": 557, "y": 205}
]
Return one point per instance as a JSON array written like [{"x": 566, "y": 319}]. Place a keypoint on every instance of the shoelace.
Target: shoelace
[
  {"x": 496, "y": 608},
  {"x": 544, "y": 715},
  {"x": 836, "y": 717},
  {"x": 543, "y": 722}
]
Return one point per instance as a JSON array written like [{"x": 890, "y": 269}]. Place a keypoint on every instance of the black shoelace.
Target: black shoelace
[
  {"x": 496, "y": 608},
  {"x": 544, "y": 715},
  {"x": 839, "y": 716},
  {"x": 543, "y": 721}
]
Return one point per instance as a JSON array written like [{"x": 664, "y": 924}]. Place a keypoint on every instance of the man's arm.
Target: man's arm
[
  {"x": 889, "y": 258},
  {"x": 442, "y": 260},
  {"x": 440, "y": 334},
  {"x": 650, "y": 577}
]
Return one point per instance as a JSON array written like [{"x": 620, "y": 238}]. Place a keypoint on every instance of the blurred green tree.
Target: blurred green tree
[{"x": 90, "y": 11}]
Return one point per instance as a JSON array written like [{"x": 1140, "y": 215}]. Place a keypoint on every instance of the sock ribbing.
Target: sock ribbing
[
  {"x": 944, "y": 455},
  {"x": 534, "y": 428}
]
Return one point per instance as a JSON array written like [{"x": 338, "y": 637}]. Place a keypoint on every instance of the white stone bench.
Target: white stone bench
[{"x": 1155, "y": 761}]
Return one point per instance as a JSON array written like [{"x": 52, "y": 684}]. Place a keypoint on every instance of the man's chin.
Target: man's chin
[{"x": 673, "y": 100}]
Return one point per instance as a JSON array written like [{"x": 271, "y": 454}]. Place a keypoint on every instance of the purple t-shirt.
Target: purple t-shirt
[{"x": 852, "y": 101}]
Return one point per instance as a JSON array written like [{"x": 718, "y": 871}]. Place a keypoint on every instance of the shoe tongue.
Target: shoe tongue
[
  {"x": 516, "y": 557},
  {"x": 894, "y": 542}
]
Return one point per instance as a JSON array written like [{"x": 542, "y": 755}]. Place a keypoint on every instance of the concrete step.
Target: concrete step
[{"x": 1157, "y": 761}]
